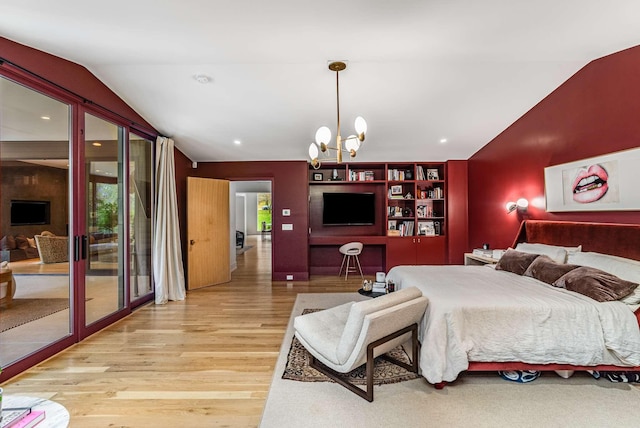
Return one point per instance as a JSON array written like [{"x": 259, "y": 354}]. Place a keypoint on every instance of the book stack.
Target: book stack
[
  {"x": 21, "y": 417},
  {"x": 483, "y": 253},
  {"x": 379, "y": 287},
  {"x": 361, "y": 176}
]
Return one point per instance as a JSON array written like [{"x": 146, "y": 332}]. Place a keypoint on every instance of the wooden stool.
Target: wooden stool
[{"x": 6, "y": 276}]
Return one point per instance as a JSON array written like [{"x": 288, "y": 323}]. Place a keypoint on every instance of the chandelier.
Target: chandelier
[{"x": 323, "y": 134}]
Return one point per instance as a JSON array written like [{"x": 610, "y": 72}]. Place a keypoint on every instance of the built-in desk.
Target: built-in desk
[
  {"x": 325, "y": 259},
  {"x": 340, "y": 240}
]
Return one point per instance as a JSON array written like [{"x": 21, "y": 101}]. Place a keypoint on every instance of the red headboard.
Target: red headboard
[{"x": 608, "y": 238}]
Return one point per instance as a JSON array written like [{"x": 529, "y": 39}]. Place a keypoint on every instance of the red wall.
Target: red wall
[
  {"x": 289, "y": 190},
  {"x": 596, "y": 111}
]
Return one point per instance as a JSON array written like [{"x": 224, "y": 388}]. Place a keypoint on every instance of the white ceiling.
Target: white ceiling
[{"x": 418, "y": 70}]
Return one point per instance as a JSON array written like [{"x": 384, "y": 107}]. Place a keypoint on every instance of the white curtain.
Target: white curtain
[{"x": 168, "y": 270}]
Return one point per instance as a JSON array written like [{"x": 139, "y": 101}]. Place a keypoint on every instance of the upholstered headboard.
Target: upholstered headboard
[{"x": 609, "y": 238}]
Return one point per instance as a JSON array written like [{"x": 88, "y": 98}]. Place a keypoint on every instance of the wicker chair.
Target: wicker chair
[{"x": 53, "y": 249}]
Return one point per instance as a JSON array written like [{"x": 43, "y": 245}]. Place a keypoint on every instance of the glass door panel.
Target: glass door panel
[
  {"x": 140, "y": 215},
  {"x": 34, "y": 221},
  {"x": 104, "y": 274}
]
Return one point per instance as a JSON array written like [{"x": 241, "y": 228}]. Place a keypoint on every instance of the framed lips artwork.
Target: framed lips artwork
[{"x": 604, "y": 183}]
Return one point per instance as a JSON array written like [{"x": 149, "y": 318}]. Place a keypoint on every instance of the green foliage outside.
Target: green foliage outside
[
  {"x": 264, "y": 210},
  {"x": 106, "y": 207}
]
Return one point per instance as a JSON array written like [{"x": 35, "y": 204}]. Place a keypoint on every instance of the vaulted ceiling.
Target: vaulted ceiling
[{"x": 419, "y": 71}]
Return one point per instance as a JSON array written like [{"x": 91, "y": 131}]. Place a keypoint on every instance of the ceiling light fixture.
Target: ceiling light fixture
[
  {"x": 237, "y": 142},
  {"x": 45, "y": 118},
  {"x": 323, "y": 134}
]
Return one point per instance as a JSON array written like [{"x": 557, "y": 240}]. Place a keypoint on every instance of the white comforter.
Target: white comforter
[{"x": 476, "y": 313}]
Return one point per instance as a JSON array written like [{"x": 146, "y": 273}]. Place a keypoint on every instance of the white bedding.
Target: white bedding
[{"x": 479, "y": 314}]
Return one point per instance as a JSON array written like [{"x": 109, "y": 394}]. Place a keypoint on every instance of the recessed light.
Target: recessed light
[
  {"x": 237, "y": 142},
  {"x": 202, "y": 78},
  {"x": 96, "y": 144},
  {"x": 443, "y": 140},
  {"x": 45, "y": 118}
]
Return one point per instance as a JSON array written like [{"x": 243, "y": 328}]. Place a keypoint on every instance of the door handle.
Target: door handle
[
  {"x": 76, "y": 248},
  {"x": 85, "y": 241},
  {"x": 192, "y": 242}
]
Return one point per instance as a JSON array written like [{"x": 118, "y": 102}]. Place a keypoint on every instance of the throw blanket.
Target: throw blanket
[{"x": 476, "y": 313}]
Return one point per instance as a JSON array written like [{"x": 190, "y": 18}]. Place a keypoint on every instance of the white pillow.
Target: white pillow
[
  {"x": 627, "y": 269},
  {"x": 557, "y": 254}
]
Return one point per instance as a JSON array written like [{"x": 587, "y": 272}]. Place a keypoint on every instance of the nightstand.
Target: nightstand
[{"x": 475, "y": 260}]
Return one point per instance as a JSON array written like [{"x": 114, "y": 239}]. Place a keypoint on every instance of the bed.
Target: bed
[{"x": 484, "y": 319}]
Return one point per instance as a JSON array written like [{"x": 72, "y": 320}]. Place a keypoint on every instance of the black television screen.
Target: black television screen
[
  {"x": 30, "y": 212},
  {"x": 348, "y": 209}
]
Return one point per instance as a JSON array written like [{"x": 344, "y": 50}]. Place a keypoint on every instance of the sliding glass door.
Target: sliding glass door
[
  {"x": 140, "y": 215},
  {"x": 103, "y": 241},
  {"x": 36, "y": 308},
  {"x": 75, "y": 221}
]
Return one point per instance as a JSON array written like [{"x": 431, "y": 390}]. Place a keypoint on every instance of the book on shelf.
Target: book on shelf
[
  {"x": 11, "y": 416},
  {"x": 426, "y": 228},
  {"x": 406, "y": 228},
  {"x": 31, "y": 420},
  {"x": 361, "y": 176},
  {"x": 420, "y": 173},
  {"x": 431, "y": 193},
  {"x": 396, "y": 175}
]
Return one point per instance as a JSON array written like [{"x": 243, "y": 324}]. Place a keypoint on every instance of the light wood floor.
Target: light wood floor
[{"x": 203, "y": 362}]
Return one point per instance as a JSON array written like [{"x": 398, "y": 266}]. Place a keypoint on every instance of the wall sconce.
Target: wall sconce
[{"x": 521, "y": 205}]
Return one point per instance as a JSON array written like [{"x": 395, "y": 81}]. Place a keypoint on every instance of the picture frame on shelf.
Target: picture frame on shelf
[
  {"x": 318, "y": 176},
  {"x": 392, "y": 225},
  {"x": 432, "y": 174},
  {"x": 396, "y": 190}
]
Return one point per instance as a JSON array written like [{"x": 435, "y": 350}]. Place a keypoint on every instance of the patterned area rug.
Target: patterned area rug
[
  {"x": 384, "y": 372},
  {"x": 23, "y": 311}
]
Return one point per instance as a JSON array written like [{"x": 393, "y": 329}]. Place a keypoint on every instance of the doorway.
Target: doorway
[{"x": 249, "y": 200}]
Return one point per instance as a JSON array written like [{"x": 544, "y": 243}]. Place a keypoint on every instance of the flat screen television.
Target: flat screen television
[
  {"x": 30, "y": 212},
  {"x": 348, "y": 209}
]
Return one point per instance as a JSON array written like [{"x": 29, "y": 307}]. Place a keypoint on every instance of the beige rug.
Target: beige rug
[
  {"x": 478, "y": 400},
  {"x": 384, "y": 372},
  {"x": 23, "y": 311}
]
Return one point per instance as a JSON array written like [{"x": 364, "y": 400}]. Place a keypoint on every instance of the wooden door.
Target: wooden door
[{"x": 208, "y": 257}]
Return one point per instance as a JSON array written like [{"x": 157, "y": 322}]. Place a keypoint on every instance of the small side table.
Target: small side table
[
  {"x": 6, "y": 277},
  {"x": 370, "y": 293},
  {"x": 56, "y": 415},
  {"x": 471, "y": 259}
]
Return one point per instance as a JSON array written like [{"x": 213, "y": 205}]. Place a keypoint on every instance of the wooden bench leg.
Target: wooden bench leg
[{"x": 367, "y": 393}]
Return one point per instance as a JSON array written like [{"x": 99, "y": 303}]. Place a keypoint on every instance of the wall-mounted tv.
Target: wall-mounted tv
[
  {"x": 30, "y": 212},
  {"x": 348, "y": 209}
]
